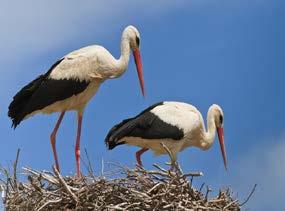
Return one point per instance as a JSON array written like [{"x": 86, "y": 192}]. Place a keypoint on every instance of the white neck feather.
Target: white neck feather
[
  {"x": 210, "y": 134},
  {"x": 123, "y": 61}
]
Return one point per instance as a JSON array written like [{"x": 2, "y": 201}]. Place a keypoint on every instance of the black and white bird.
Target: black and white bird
[
  {"x": 175, "y": 124},
  {"x": 72, "y": 81}
]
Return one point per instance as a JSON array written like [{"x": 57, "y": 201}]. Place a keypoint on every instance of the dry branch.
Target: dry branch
[{"x": 138, "y": 189}]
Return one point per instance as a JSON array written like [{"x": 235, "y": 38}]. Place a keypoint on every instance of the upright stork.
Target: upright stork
[
  {"x": 175, "y": 124},
  {"x": 72, "y": 81}
]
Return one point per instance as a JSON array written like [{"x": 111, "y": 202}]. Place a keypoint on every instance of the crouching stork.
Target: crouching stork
[
  {"x": 175, "y": 124},
  {"x": 72, "y": 81}
]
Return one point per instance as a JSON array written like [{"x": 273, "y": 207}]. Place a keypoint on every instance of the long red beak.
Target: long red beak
[
  {"x": 222, "y": 145},
  {"x": 137, "y": 57}
]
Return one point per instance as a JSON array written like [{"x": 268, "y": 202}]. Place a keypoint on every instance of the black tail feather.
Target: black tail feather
[
  {"x": 21, "y": 99},
  {"x": 16, "y": 110},
  {"x": 125, "y": 128}
]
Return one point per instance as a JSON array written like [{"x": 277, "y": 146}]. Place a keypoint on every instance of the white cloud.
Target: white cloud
[
  {"x": 30, "y": 30},
  {"x": 263, "y": 165},
  {"x": 35, "y": 26}
]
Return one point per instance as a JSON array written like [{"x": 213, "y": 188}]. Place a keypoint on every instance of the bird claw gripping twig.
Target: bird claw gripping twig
[{"x": 175, "y": 167}]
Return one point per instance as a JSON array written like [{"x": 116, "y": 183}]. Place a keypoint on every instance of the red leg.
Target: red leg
[
  {"x": 53, "y": 138},
  {"x": 138, "y": 155},
  {"x": 77, "y": 146}
]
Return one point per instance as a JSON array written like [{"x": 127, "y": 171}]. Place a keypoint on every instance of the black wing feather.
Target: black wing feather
[
  {"x": 41, "y": 92},
  {"x": 146, "y": 125},
  {"x": 20, "y": 99},
  {"x": 119, "y": 130}
]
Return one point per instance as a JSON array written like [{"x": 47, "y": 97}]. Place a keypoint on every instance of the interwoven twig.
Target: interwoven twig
[
  {"x": 134, "y": 189},
  {"x": 139, "y": 189}
]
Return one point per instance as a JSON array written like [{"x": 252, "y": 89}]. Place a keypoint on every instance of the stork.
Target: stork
[
  {"x": 72, "y": 81},
  {"x": 175, "y": 124}
]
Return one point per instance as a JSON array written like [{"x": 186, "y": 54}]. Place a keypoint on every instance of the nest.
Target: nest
[{"x": 134, "y": 189}]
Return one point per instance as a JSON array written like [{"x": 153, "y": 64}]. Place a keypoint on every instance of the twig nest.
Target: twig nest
[{"x": 137, "y": 189}]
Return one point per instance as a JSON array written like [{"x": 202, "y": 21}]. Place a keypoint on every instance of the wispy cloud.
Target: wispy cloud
[
  {"x": 31, "y": 30},
  {"x": 34, "y": 27},
  {"x": 263, "y": 165}
]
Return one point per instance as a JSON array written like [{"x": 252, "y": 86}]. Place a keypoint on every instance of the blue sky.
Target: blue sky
[{"x": 199, "y": 51}]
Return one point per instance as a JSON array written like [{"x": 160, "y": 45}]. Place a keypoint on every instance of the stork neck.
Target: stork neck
[
  {"x": 211, "y": 130},
  {"x": 125, "y": 56},
  {"x": 125, "y": 49}
]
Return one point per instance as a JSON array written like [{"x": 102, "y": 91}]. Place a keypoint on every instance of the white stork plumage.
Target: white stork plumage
[
  {"x": 72, "y": 81},
  {"x": 175, "y": 124}
]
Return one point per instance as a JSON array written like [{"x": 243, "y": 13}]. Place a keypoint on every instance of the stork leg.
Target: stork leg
[
  {"x": 138, "y": 155},
  {"x": 53, "y": 138},
  {"x": 77, "y": 146}
]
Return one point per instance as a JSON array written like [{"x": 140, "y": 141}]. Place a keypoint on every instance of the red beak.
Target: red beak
[
  {"x": 222, "y": 145},
  {"x": 137, "y": 57}
]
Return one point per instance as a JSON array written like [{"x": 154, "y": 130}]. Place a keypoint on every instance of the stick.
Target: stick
[
  {"x": 45, "y": 176},
  {"x": 90, "y": 169},
  {"x": 74, "y": 197},
  {"x": 15, "y": 169},
  {"x": 49, "y": 202},
  {"x": 193, "y": 174},
  {"x": 168, "y": 151},
  {"x": 230, "y": 204},
  {"x": 160, "y": 168},
  {"x": 252, "y": 191},
  {"x": 201, "y": 187}
]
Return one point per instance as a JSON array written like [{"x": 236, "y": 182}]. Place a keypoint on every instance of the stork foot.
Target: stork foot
[{"x": 79, "y": 176}]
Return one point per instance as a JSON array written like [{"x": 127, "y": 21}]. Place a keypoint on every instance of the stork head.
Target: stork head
[
  {"x": 133, "y": 36},
  {"x": 219, "y": 122}
]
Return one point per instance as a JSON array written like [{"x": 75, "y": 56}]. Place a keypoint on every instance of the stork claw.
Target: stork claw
[{"x": 79, "y": 176}]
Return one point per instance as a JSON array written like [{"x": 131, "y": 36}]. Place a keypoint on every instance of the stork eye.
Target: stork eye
[
  {"x": 138, "y": 41},
  {"x": 221, "y": 119}
]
